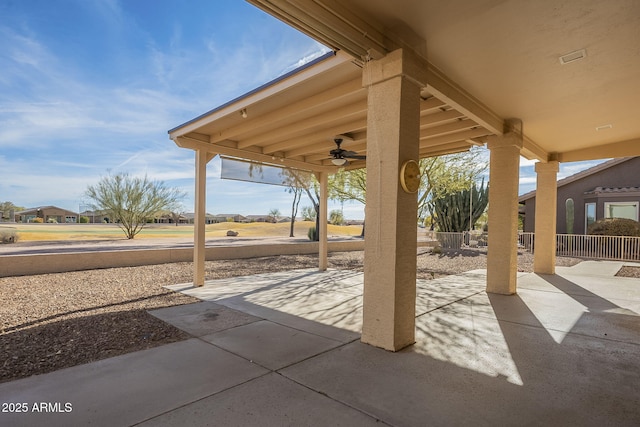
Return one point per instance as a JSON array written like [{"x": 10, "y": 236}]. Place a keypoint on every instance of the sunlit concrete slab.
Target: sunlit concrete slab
[
  {"x": 271, "y": 400},
  {"x": 458, "y": 335},
  {"x": 466, "y": 371},
  {"x": 593, "y": 268},
  {"x": 327, "y": 303},
  {"x": 271, "y": 345},
  {"x": 203, "y": 318},
  {"x": 128, "y": 389},
  {"x": 556, "y": 353},
  {"x": 448, "y": 290},
  {"x": 345, "y": 316}
]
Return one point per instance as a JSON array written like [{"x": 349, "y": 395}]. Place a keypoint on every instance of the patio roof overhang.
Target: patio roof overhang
[
  {"x": 292, "y": 121},
  {"x": 418, "y": 78},
  {"x": 570, "y": 72}
]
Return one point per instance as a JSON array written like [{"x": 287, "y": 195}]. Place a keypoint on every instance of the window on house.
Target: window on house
[
  {"x": 621, "y": 210},
  {"x": 589, "y": 214}
]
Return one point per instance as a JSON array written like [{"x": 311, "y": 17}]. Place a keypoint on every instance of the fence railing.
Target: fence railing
[{"x": 621, "y": 248}]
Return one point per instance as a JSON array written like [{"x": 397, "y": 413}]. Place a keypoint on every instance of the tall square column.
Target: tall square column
[
  {"x": 544, "y": 255},
  {"x": 504, "y": 171},
  {"x": 199, "y": 218},
  {"x": 393, "y": 131}
]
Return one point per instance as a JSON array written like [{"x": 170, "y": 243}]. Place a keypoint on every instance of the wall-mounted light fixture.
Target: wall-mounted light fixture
[{"x": 243, "y": 113}]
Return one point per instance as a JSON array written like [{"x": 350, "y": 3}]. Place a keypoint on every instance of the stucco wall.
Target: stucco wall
[
  {"x": 20, "y": 265},
  {"x": 626, "y": 174}
]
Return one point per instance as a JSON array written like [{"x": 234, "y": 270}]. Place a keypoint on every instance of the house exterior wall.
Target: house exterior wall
[
  {"x": 47, "y": 214},
  {"x": 625, "y": 174}
]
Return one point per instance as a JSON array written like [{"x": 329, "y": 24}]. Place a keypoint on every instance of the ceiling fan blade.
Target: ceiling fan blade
[{"x": 353, "y": 155}]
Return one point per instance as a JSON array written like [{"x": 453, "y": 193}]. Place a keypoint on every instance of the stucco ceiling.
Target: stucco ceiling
[
  {"x": 488, "y": 61},
  {"x": 506, "y": 53}
]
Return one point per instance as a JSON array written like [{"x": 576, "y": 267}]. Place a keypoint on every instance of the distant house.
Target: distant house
[
  {"x": 608, "y": 190},
  {"x": 48, "y": 214},
  {"x": 259, "y": 218},
  {"x": 168, "y": 218},
  {"x": 230, "y": 218},
  {"x": 96, "y": 217},
  {"x": 208, "y": 218}
]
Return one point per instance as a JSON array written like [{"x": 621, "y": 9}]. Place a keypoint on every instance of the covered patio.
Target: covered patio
[
  {"x": 284, "y": 349},
  {"x": 411, "y": 79}
]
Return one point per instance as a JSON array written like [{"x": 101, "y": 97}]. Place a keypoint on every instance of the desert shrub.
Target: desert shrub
[
  {"x": 37, "y": 220},
  {"x": 84, "y": 220},
  {"x": 614, "y": 227},
  {"x": 336, "y": 217},
  {"x": 52, "y": 221},
  {"x": 312, "y": 234},
  {"x": 8, "y": 235}
]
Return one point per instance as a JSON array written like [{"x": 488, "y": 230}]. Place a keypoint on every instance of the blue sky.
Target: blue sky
[{"x": 89, "y": 88}]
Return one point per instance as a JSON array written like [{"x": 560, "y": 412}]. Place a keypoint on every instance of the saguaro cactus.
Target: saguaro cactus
[{"x": 569, "y": 215}]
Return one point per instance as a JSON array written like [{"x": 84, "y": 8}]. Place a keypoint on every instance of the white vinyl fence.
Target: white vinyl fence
[{"x": 621, "y": 248}]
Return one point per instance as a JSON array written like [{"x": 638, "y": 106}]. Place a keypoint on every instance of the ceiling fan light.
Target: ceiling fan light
[{"x": 339, "y": 162}]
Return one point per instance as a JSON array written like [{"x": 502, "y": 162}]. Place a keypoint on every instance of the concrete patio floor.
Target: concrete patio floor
[{"x": 283, "y": 349}]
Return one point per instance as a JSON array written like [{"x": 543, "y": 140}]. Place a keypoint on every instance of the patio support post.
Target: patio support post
[
  {"x": 323, "y": 179},
  {"x": 504, "y": 165},
  {"x": 202, "y": 158},
  {"x": 393, "y": 129},
  {"x": 544, "y": 255}
]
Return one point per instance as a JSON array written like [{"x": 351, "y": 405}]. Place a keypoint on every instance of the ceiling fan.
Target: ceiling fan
[{"x": 339, "y": 156}]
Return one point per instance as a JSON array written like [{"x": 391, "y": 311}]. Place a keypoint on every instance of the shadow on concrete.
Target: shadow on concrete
[{"x": 294, "y": 358}]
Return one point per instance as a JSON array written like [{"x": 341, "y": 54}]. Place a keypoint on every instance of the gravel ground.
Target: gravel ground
[{"x": 54, "y": 321}]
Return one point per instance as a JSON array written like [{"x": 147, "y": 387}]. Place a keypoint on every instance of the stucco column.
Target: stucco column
[
  {"x": 502, "y": 256},
  {"x": 544, "y": 255},
  {"x": 393, "y": 129},
  {"x": 199, "y": 218},
  {"x": 323, "y": 179}
]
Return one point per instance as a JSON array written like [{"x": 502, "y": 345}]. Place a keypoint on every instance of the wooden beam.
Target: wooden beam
[
  {"x": 442, "y": 116},
  {"x": 354, "y": 110},
  {"x": 196, "y": 144},
  {"x": 293, "y": 111},
  {"x": 314, "y": 137},
  {"x": 530, "y": 150},
  {"x": 256, "y": 96},
  {"x": 428, "y": 105},
  {"x": 628, "y": 148},
  {"x": 441, "y": 150},
  {"x": 456, "y": 126},
  {"x": 458, "y": 136},
  {"x": 446, "y": 90},
  {"x": 331, "y": 23}
]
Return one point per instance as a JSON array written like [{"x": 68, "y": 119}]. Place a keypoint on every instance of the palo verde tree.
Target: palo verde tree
[{"x": 132, "y": 201}]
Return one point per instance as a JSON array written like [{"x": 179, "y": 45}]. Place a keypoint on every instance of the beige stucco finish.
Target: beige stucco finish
[
  {"x": 484, "y": 62},
  {"x": 391, "y": 234},
  {"x": 199, "y": 223},
  {"x": 544, "y": 260},
  {"x": 502, "y": 256}
]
